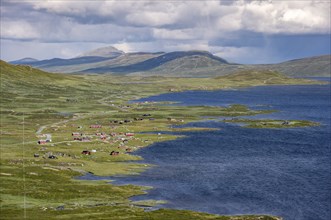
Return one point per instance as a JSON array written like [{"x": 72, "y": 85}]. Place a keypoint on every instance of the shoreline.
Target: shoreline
[
  {"x": 292, "y": 123},
  {"x": 76, "y": 196}
]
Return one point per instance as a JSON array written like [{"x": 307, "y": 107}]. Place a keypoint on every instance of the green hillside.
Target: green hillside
[
  {"x": 265, "y": 76},
  {"x": 27, "y": 76},
  {"x": 35, "y": 103},
  {"x": 305, "y": 67},
  {"x": 24, "y": 87}
]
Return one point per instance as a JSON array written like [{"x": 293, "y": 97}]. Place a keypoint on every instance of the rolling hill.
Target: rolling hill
[
  {"x": 26, "y": 80},
  {"x": 83, "y": 63},
  {"x": 188, "y": 59},
  {"x": 25, "y": 60},
  {"x": 179, "y": 63},
  {"x": 56, "y": 62},
  {"x": 306, "y": 67}
]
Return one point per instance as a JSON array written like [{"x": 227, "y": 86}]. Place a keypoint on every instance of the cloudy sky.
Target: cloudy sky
[{"x": 264, "y": 31}]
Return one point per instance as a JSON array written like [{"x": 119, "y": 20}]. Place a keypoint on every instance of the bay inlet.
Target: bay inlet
[{"x": 238, "y": 170}]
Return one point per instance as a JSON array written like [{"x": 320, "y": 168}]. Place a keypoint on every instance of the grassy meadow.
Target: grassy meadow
[{"x": 35, "y": 103}]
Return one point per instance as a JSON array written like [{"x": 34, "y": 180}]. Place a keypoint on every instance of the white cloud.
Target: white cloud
[
  {"x": 18, "y": 30},
  {"x": 196, "y": 45},
  {"x": 73, "y": 8},
  {"x": 150, "y": 18},
  {"x": 270, "y": 17},
  {"x": 183, "y": 34},
  {"x": 286, "y": 17},
  {"x": 65, "y": 30},
  {"x": 159, "y": 25},
  {"x": 123, "y": 46}
]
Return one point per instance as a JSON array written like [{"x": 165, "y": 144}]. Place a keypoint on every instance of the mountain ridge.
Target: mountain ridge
[
  {"x": 108, "y": 51},
  {"x": 155, "y": 62},
  {"x": 24, "y": 60},
  {"x": 194, "y": 63}
]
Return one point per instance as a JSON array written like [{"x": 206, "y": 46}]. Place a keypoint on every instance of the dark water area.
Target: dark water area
[
  {"x": 237, "y": 170},
  {"x": 292, "y": 102}
]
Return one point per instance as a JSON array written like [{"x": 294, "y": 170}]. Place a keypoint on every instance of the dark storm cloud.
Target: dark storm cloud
[{"x": 240, "y": 39}]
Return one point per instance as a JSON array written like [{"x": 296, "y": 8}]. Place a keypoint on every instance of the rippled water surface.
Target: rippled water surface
[{"x": 236, "y": 170}]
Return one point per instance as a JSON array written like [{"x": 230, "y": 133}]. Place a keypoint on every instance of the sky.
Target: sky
[{"x": 243, "y": 31}]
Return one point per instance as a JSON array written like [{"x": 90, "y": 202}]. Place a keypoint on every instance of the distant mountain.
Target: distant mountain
[
  {"x": 82, "y": 63},
  {"x": 318, "y": 66},
  {"x": 187, "y": 59},
  {"x": 179, "y": 63},
  {"x": 46, "y": 64},
  {"x": 24, "y": 61},
  {"x": 305, "y": 67},
  {"x": 103, "y": 52}
]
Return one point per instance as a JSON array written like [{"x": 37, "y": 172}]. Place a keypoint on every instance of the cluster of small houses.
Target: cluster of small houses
[
  {"x": 77, "y": 136},
  {"x": 122, "y": 137}
]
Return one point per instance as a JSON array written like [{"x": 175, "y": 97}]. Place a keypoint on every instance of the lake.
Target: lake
[{"x": 237, "y": 170}]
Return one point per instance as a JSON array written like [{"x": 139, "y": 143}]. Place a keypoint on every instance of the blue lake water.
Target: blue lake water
[{"x": 236, "y": 170}]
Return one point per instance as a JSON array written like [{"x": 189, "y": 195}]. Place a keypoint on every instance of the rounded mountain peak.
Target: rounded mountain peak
[{"x": 108, "y": 51}]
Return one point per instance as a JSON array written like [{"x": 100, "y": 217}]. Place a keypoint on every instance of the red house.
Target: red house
[{"x": 95, "y": 126}]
